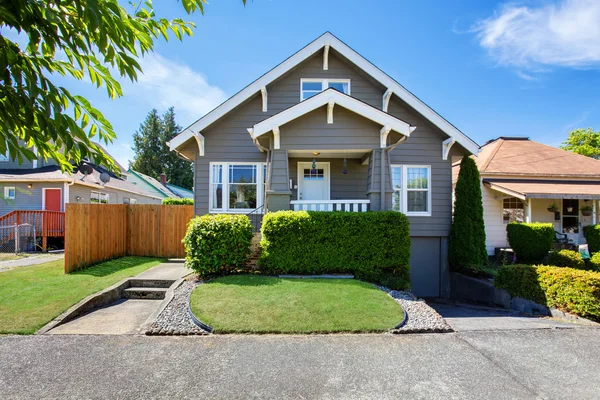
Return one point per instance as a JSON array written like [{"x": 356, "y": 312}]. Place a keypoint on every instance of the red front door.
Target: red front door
[{"x": 52, "y": 201}]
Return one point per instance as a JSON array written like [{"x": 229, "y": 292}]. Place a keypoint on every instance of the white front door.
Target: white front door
[{"x": 313, "y": 184}]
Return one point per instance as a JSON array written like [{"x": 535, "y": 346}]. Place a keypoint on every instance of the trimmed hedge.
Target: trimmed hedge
[
  {"x": 594, "y": 262},
  {"x": 178, "y": 202},
  {"x": 374, "y": 246},
  {"x": 567, "y": 289},
  {"x": 530, "y": 242},
  {"x": 566, "y": 258},
  {"x": 217, "y": 244},
  {"x": 592, "y": 237}
]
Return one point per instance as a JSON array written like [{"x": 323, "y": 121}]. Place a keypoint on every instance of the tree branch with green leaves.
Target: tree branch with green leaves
[{"x": 83, "y": 39}]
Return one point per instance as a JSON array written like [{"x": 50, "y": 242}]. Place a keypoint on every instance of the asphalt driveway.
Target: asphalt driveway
[{"x": 516, "y": 364}]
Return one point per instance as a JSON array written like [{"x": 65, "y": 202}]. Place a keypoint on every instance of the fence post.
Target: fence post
[{"x": 16, "y": 239}]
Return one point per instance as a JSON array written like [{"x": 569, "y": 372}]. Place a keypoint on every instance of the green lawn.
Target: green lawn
[
  {"x": 254, "y": 304},
  {"x": 30, "y": 297}
]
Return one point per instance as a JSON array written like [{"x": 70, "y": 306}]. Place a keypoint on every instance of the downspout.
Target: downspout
[{"x": 382, "y": 184}]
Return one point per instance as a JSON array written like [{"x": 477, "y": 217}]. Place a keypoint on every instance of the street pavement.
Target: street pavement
[{"x": 485, "y": 364}]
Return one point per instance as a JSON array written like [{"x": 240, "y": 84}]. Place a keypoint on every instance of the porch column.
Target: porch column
[
  {"x": 594, "y": 212},
  {"x": 374, "y": 181},
  {"x": 528, "y": 218},
  {"x": 278, "y": 194}
]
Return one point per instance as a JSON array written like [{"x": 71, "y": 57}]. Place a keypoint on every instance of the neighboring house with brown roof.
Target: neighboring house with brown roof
[{"x": 522, "y": 178}]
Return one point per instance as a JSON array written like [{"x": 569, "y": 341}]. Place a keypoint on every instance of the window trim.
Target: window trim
[
  {"x": 404, "y": 190},
  {"x": 324, "y": 83},
  {"x": 99, "y": 195},
  {"x": 7, "y": 190},
  {"x": 503, "y": 208},
  {"x": 260, "y": 183}
]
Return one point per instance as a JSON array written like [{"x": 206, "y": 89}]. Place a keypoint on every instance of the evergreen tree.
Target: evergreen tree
[
  {"x": 152, "y": 154},
  {"x": 466, "y": 250},
  {"x": 179, "y": 172}
]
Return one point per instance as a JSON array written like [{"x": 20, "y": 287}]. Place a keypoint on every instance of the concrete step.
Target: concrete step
[
  {"x": 146, "y": 293},
  {"x": 151, "y": 283}
]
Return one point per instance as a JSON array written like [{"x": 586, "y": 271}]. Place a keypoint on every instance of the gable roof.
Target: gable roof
[
  {"x": 324, "y": 41},
  {"x": 518, "y": 156},
  {"x": 332, "y": 98},
  {"x": 154, "y": 184}
]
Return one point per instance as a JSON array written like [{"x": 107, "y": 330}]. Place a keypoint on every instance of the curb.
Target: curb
[{"x": 404, "y": 321}]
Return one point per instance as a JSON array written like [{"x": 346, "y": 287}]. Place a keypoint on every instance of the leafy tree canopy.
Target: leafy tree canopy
[
  {"x": 583, "y": 141},
  {"x": 83, "y": 39},
  {"x": 152, "y": 155}
]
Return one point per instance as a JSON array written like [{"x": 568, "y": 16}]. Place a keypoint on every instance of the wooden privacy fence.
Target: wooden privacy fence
[{"x": 98, "y": 232}]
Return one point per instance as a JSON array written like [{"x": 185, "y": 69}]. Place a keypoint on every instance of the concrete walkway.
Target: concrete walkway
[
  {"x": 521, "y": 364},
  {"x": 464, "y": 318},
  {"x": 125, "y": 316},
  {"x": 30, "y": 260}
]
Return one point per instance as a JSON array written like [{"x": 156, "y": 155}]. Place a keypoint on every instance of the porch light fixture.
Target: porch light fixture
[
  {"x": 316, "y": 153},
  {"x": 314, "y": 167},
  {"x": 29, "y": 186}
]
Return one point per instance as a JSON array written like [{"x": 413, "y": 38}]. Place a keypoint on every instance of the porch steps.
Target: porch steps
[{"x": 254, "y": 251}]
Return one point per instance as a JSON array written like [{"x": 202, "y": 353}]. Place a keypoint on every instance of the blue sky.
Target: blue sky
[{"x": 491, "y": 68}]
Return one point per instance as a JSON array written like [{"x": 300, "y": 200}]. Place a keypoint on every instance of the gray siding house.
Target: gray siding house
[{"x": 327, "y": 130}]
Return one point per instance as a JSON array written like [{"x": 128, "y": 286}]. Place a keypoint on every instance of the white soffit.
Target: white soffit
[{"x": 326, "y": 39}]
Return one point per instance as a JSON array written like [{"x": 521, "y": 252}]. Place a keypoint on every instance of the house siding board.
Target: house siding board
[
  {"x": 495, "y": 228},
  {"x": 25, "y": 199},
  {"x": 114, "y": 196},
  {"x": 350, "y": 186},
  {"x": 279, "y": 171}
]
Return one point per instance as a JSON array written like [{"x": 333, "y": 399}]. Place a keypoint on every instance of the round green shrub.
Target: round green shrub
[
  {"x": 530, "y": 242},
  {"x": 374, "y": 246},
  {"x": 592, "y": 237},
  {"x": 217, "y": 244},
  {"x": 178, "y": 202},
  {"x": 566, "y": 258}
]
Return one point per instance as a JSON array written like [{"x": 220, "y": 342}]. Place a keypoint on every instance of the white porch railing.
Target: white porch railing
[{"x": 330, "y": 205}]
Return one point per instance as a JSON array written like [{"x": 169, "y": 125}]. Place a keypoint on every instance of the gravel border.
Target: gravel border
[
  {"x": 174, "y": 319},
  {"x": 420, "y": 317}
]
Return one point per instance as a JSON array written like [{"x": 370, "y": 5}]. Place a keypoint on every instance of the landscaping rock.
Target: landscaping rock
[
  {"x": 174, "y": 319},
  {"x": 421, "y": 317}
]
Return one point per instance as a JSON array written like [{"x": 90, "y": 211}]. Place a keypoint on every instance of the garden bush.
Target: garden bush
[
  {"x": 466, "y": 249},
  {"x": 592, "y": 237},
  {"x": 217, "y": 244},
  {"x": 594, "y": 262},
  {"x": 530, "y": 242},
  {"x": 566, "y": 258},
  {"x": 374, "y": 246},
  {"x": 567, "y": 289},
  {"x": 178, "y": 202}
]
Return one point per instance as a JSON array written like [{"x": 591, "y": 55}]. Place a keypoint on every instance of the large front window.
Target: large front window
[
  {"x": 236, "y": 187},
  {"x": 513, "y": 210},
  {"x": 311, "y": 87},
  {"x": 412, "y": 189}
]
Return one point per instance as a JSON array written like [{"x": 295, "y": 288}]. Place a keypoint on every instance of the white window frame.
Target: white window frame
[
  {"x": 260, "y": 187},
  {"x": 7, "y": 190},
  {"x": 324, "y": 84},
  {"x": 503, "y": 208},
  {"x": 100, "y": 194},
  {"x": 404, "y": 190}
]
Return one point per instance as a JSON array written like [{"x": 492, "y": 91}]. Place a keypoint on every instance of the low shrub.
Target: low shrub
[
  {"x": 592, "y": 237},
  {"x": 178, "y": 202},
  {"x": 217, "y": 244},
  {"x": 594, "y": 262},
  {"x": 530, "y": 242},
  {"x": 567, "y": 289},
  {"x": 374, "y": 246},
  {"x": 566, "y": 258}
]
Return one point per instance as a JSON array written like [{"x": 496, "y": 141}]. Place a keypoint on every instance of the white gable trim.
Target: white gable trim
[
  {"x": 331, "y": 97},
  {"x": 315, "y": 46}
]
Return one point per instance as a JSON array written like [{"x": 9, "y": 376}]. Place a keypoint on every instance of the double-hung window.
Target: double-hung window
[
  {"x": 513, "y": 210},
  {"x": 311, "y": 87},
  {"x": 98, "y": 197},
  {"x": 412, "y": 189},
  {"x": 236, "y": 187},
  {"x": 9, "y": 192}
]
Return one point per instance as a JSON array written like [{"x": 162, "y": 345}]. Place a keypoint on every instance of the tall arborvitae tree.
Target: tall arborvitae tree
[
  {"x": 152, "y": 154},
  {"x": 179, "y": 172},
  {"x": 466, "y": 250}
]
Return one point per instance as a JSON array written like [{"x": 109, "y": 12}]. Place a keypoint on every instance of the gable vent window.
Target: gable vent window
[{"x": 311, "y": 87}]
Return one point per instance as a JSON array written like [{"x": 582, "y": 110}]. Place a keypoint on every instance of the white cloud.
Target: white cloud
[
  {"x": 165, "y": 83},
  {"x": 565, "y": 34}
]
